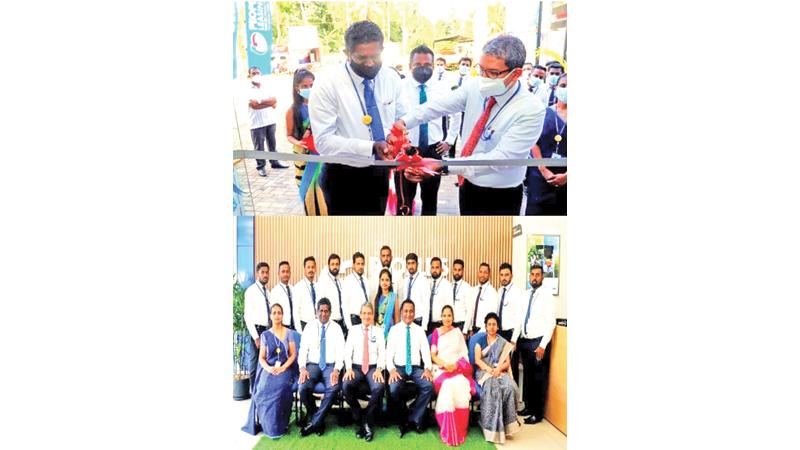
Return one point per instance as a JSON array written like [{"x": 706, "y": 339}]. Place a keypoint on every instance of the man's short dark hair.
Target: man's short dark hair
[
  {"x": 357, "y": 255},
  {"x": 412, "y": 257},
  {"x": 323, "y": 301},
  {"x": 459, "y": 261},
  {"x": 483, "y": 264},
  {"x": 363, "y": 32},
  {"x": 465, "y": 58},
  {"x": 307, "y": 259},
  {"x": 332, "y": 257},
  {"x": 282, "y": 263},
  {"x": 262, "y": 264},
  {"x": 436, "y": 258},
  {"x": 408, "y": 300},
  {"x": 440, "y": 59},
  {"x": 539, "y": 66},
  {"x": 537, "y": 266},
  {"x": 556, "y": 65},
  {"x": 506, "y": 265},
  {"x": 420, "y": 50},
  {"x": 386, "y": 247}
]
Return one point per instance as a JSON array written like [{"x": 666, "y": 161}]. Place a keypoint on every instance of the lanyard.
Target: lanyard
[
  {"x": 487, "y": 129},
  {"x": 558, "y": 132}
]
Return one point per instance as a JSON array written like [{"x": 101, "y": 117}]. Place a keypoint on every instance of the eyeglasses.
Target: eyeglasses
[{"x": 492, "y": 73}]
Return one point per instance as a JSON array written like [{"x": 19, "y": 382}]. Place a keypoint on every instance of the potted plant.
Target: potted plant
[{"x": 241, "y": 374}]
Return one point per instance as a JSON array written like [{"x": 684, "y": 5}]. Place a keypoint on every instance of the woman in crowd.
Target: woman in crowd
[
  {"x": 297, "y": 122},
  {"x": 272, "y": 396},
  {"x": 547, "y": 186},
  {"x": 452, "y": 380},
  {"x": 499, "y": 394},
  {"x": 387, "y": 308}
]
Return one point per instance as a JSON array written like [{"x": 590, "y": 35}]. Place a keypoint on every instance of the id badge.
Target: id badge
[{"x": 556, "y": 155}]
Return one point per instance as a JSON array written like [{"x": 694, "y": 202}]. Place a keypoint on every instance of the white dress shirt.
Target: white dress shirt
[
  {"x": 542, "y": 320},
  {"x": 442, "y": 295},
  {"x": 433, "y": 90},
  {"x": 462, "y": 290},
  {"x": 310, "y": 344},
  {"x": 510, "y": 305},
  {"x": 255, "y": 307},
  {"x": 354, "y": 347},
  {"x": 486, "y": 304},
  {"x": 303, "y": 302},
  {"x": 420, "y": 295},
  {"x": 353, "y": 296},
  {"x": 264, "y": 116},
  {"x": 280, "y": 295},
  {"x": 337, "y": 112},
  {"x": 514, "y": 126},
  {"x": 396, "y": 347},
  {"x": 455, "y": 119},
  {"x": 326, "y": 287}
]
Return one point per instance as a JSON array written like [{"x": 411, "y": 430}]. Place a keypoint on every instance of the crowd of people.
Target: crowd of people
[
  {"x": 512, "y": 110},
  {"x": 372, "y": 335}
]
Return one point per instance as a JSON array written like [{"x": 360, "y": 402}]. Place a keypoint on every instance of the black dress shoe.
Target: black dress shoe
[
  {"x": 404, "y": 429},
  {"x": 306, "y": 430},
  {"x": 532, "y": 420},
  {"x": 419, "y": 429},
  {"x": 279, "y": 166},
  {"x": 262, "y": 172},
  {"x": 360, "y": 432},
  {"x": 367, "y": 432},
  {"x": 320, "y": 429},
  {"x": 525, "y": 412}
]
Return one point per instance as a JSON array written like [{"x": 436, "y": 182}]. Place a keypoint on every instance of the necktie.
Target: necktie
[
  {"x": 469, "y": 146},
  {"x": 528, "y": 314},
  {"x": 365, "y": 354},
  {"x": 440, "y": 76},
  {"x": 313, "y": 297},
  {"x": 460, "y": 80},
  {"x": 372, "y": 109},
  {"x": 500, "y": 316},
  {"x": 408, "y": 291},
  {"x": 363, "y": 288},
  {"x": 408, "y": 349},
  {"x": 339, "y": 291},
  {"x": 323, "y": 361},
  {"x": 475, "y": 314},
  {"x": 455, "y": 285},
  {"x": 291, "y": 307},
  {"x": 552, "y": 97},
  {"x": 266, "y": 300},
  {"x": 430, "y": 310},
  {"x": 423, "y": 129}
]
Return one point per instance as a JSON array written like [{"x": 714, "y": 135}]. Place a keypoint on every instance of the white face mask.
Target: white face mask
[
  {"x": 256, "y": 79},
  {"x": 561, "y": 94},
  {"x": 492, "y": 87},
  {"x": 463, "y": 70},
  {"x": 439, "y": 69}
]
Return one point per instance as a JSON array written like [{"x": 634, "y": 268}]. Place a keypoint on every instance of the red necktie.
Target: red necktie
[
  {"x": 365, "y": 355},
  {"x": 476, "y": 133}
]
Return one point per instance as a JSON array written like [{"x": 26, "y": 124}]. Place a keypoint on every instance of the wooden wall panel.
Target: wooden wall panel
[
  {"x": 473, "y": 239},
  {"x": 556, "y": 405}
]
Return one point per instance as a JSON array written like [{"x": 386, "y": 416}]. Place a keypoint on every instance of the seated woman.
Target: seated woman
[
  {"x": 272, "y": 396},
  {"x": 387, "y": 308},
  {"x": 499, "y": 395},
  {"x": 452, "y": 380}
]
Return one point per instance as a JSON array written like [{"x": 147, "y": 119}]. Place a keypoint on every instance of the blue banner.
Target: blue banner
[
  {"x": 245, "y": 255},
  {"x": 259, "y": 36}
]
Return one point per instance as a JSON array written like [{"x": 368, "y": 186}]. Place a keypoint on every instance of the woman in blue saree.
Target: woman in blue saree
[
  {"x": 271, "y": 405},
  {"x": 387, "y": 308}
]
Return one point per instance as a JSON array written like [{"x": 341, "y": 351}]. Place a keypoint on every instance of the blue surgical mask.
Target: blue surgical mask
[
  {"x": 463, "y": 70},
  {"x": 534, "y": 81},
  {"x": 561, "y": 94},
  {"x": 305, "y": 93},
  {"x": 553, "y": 79}
]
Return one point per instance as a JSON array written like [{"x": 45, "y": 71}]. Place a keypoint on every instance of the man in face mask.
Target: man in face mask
[
  {"x": 352, "y": 108},
  {"x": 427, "y": 139},
  {"x": 554, "y": 71},
  {"x": 503, "y": 121}
]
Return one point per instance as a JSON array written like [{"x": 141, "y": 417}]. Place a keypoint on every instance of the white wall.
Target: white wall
[{"x": 542, "y": 225}]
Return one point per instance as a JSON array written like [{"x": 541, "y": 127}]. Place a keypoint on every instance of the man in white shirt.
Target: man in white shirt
[
  {"x": 554, "y": 72},
  {"x": 331, "y": 288},
  {"x": 321, "y": 357},
  {"x": 416, "y": 288},
  {"x": 508, "y": 308},
  {"x": 374, "y": 279},
  {"x": 256, "y": 315},
  {"x": 456, "y": 121},
  {"x": 261, "y": 105},
  {"x": 503, "y": 121},
  {"x": 537, "y": 322},
  {"x": 408, "y": 357},
  {"x": 536, "y": 82},
  {"x": 461, "y": 297},
  {"x": 441, "y": 295},
  {"x": 305, "y": 293},
  {"x": 483, "y": 301},
  {"x": 354, "y": 292},
  {"x": 351, "y": 109},
  {"x": 428, "y": 139},
  {"x": 282, "y": 294},
  {"x": 364, "y": 360}
]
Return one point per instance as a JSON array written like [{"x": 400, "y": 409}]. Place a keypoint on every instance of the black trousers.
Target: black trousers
[
  {"x": 259, "y": 135},
  {"x": 407, "y": 190},
  {"x": 361, "y": 385},
  {"x": 507, "y": 334},
  {"x": 480, "y": 201},
  {"x": 534, "y": 388},
  {"x": 551, "y": 202},
  {"x": 355, "y": 191},
  {"x": 434, "y": 325},
  {"x": 343, "y": 326}
]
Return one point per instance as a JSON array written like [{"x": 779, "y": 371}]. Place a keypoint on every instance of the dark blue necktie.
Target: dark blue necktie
[
  {"x": 372, "y": 109},
  {"x": 323, "y": 362},
  {"x": 363, "y": 288},
  {"x": 552, "y": 97},
  {"x": 423, "y": 129},
  {"x": 313, "y": 297},
  {"x": 528, "y": 314},
  {"x": 460, "y": 80},
  {"x": 291, "y": 306},
  {"x": 500, "y": 316}
]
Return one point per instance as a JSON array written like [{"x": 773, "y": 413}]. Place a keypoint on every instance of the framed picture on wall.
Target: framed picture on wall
[{"x": 544, "y": 250}]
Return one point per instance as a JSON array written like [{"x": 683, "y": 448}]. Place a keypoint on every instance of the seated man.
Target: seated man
[
  {"x": 408, "y": 349},
  {"x": 364, "y": 358},
  {"x": 320, "y": 359}
]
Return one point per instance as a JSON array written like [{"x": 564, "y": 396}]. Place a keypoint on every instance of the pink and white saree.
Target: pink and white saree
[{"x": 454, "y": 389}]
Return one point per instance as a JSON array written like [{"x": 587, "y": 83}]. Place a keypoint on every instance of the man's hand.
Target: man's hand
[
  {"x": 539, "y": 353},
  {"x": 381, "y": 149},
  {"x": 443, "y": 148},
  {"x": 349, "y": 375},
  {"x": 394, "y": 376},
  {"x": 334, "y": 377},
  {"x": 414, "y": 174},
  {"x": 427, "y": 375},
  {"x": 378, "y": 376},
  {"x": 557, "y": 180},
  {"x": 303, "y": 375}
]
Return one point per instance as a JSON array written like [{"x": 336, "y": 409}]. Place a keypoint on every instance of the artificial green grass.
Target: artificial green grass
[{"x": 386, "y": 438}]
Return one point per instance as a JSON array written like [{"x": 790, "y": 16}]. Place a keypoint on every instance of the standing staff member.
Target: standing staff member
[
  {"x": 504, "y": 121},
  {"x": 351, "y": 108}
]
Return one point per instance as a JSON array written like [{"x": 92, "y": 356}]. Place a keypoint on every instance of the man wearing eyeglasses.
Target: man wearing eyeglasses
[
  {"x": 504, "y": 121},
  {"x": 351, "y": 109}
]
